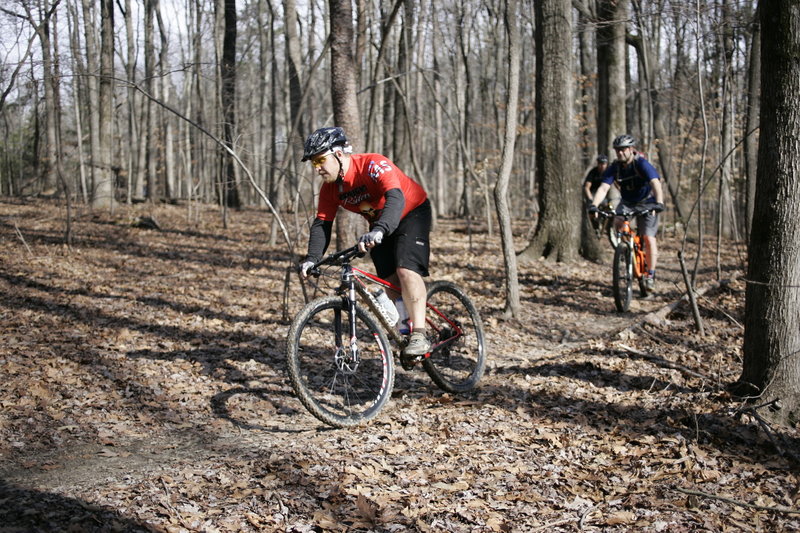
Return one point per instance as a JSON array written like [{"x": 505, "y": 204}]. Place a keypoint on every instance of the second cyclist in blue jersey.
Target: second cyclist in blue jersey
[{"x": 640, "y": 188}]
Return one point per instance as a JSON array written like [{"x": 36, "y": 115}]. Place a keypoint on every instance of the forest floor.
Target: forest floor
[{"x": 142, "y": 388}]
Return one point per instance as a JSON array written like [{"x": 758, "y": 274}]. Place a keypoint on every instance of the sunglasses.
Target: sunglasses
[{"x": 319, "y": 160}]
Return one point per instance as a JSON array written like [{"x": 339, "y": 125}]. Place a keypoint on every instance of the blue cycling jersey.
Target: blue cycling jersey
[{"x": 633, "y": 180}]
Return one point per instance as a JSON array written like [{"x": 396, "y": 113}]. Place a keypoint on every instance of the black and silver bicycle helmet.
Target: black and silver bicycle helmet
[
  {"x": 323, "y": 140},
  {"x": 602, "y": 158},
  {"x": 624, "y": 141}
]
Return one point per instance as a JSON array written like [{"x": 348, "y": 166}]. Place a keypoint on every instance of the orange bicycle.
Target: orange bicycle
[{"x": 630, "y": 261}]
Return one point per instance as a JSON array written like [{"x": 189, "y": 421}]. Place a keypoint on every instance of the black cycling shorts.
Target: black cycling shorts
[{"x": 408, "y": 246}]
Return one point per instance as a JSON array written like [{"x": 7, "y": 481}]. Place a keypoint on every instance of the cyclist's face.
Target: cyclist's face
[
  {"x": 326, "y": 166},
  {"x": 624, "y": 154}
]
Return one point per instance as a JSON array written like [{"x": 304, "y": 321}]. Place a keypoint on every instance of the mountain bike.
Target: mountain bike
[
  {"x": 630, "y": 261},
  {"x": 339, "y": 347}
]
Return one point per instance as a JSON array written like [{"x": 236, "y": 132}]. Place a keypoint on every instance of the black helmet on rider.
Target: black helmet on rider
[
  {"x": 323, "y": 140},
  {"x": 624, "y": 141},
  {"x": 602, "y": 158}
]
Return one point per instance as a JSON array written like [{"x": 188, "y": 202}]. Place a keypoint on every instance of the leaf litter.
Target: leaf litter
[{"x": 143, "y": 390}]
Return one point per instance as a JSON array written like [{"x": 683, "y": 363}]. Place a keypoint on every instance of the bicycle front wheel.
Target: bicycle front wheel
[
  {"x": 342, "y": 381},
  {"x": 622, "y": 277},
  {"x": 611, "y": 232},
  {"x": 458, "y": 353}
]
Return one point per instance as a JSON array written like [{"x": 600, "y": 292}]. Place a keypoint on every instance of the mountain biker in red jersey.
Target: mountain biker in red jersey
[
  {"x": 398, "y": 212},
  {"x": 640, "y": 188}
]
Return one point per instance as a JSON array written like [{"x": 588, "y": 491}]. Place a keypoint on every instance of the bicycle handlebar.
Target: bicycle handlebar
[
  {"x": 341, "y": 257},
  {"x": 626, "y": 216}
]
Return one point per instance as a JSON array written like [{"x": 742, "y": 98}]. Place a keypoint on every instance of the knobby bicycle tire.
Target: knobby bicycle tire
[
  {"x": 460, "y": 359},
  {"x": 622, "y": 277},
  {"x": 335, "y": 387},
  {"x": 643, "y": 292}
]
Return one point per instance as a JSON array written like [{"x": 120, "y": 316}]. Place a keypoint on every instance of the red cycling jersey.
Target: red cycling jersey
[{"x": 363, "y": 188}]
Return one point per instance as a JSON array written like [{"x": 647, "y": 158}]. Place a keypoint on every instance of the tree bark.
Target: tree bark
[
  {"x": 611, "y": 112},
  {"x": 49, "y": 181},
  {"x": 105, "y": 178},
  {"x": 771, "y": 367},
  {"x": 131, "y": 148},
  {"x": 751, "y": 121},
  {"x": 558, "y": 230},
  {"x": 512, "y": 305},
  {"x": 293, "y": 66},
  {"x": 149, "y": 121},
  {"x": 343, "y": 93},
  {"x": 230, "y": 187},
  {"x": 92, "y": 81}
]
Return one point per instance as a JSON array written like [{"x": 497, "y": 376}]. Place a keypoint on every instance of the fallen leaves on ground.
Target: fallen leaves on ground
[{"x": 143, "y": 389}]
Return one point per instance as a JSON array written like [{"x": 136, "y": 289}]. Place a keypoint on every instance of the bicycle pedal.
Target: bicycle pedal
[{"x": 409, "y": 361}]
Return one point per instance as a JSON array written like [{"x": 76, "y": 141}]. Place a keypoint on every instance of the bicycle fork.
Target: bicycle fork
[
  {"x": 639, "y": 258},
  {"x": 347, "y": 360}
]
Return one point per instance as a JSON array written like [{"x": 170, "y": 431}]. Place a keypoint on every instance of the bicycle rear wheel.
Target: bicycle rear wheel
[
  {"x": 622, "y": 277},
  {"x": 340, "y": 383},
  {"x": 458, "y": 354}
]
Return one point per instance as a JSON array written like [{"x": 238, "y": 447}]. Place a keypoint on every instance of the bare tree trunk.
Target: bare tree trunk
[
  {"x": 611, "y": 116},
  {"x": 92, "y": 80},
  {"x": 343, "y": 94},
  {"x": 753, "y": 112},
  {"x": 80, "y": 72},
  {"x": 648, "y": 61},
  {"x": 439, "y": 173},
  {"x": 727, "y": 228},
  {"x": 558, "y": 230},
  {"x": 294, "y": 62},
  {"x": 588, "y": 84},
  {"x": 49, "y": 179},
  {"x": 387, "y": 22},
  {"x": 591, "y": 247},
  {"x": 132, "y": 150},
  {"x": 771, "y": 369},
  {"x": 400, "y": 84},
  {"x": 104, "y": 184},
  {"x": 58, "y": 161},
  {"x": 149, "y": 122},
  {"x": 230, "y": 186},
  {"x": 512, "y": 305},
  {"x": 165, "y": 122}
]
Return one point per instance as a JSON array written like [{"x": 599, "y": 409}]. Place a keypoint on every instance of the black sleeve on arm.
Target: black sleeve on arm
[
  {"x": 319, "y": 238},
  {"x": 391, "y": 212}
]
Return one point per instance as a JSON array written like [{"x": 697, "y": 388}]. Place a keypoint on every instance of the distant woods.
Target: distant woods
[{"x": 108, "y": 101}]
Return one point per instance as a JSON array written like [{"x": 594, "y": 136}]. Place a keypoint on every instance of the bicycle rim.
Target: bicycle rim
[
  {"x": 458, "y": 355},
  {"x": 339, "y": 385},
  {"x": 622, "y": 281}
]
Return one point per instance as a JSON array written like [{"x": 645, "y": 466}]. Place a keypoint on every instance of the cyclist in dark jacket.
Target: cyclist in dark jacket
[
  {"x": 594, "y": 178},
  {"x": 640, "y": 187}
]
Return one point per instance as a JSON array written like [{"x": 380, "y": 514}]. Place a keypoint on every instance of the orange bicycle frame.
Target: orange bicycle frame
[{"x": 639, "y": 253}]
